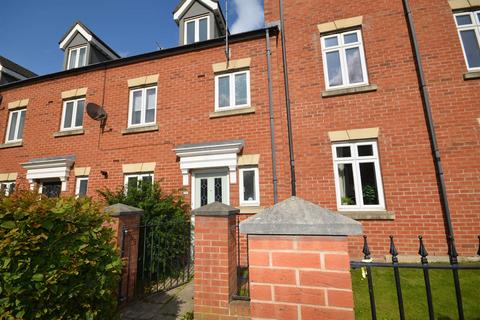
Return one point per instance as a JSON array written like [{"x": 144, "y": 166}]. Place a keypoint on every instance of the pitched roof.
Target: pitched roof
[
  {"x": 78, "y": 26},
  {"x": 9, "y": 64}
]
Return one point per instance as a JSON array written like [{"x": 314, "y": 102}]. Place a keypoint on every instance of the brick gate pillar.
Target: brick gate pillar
[
  {"x": 215, "y": 279},
  {"x": 125, "y": 224},
  {"x": 299, "y": 262}
]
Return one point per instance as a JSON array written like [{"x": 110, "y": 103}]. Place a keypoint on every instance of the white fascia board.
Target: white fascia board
[
  {"x": 78, "y": 28},
  {"x": 209, "y": 3},
  {"x": 12, "y": 73},
  {"x": 208, "y": 150}
]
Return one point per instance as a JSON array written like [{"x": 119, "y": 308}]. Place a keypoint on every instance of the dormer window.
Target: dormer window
[
  {"x": 197, "y": 29},
  {"x": 77, "y": 57}
]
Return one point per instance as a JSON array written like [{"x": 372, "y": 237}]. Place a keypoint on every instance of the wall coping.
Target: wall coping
[
  {"x": 216, "y": 209},
  {"x": 296, "y": 216}
]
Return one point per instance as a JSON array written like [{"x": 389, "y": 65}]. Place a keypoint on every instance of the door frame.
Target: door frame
[{"x": 221, "y": 170}]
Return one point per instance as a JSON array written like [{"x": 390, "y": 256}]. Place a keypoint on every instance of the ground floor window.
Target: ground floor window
[
  {"x": 358, "y": 179},
  {"x": 7, "y": 187},
  {"x": 81, "y": 187},
  {"x": 249, "y": 187},
  {"x": 134, "y": 180},
  {"x": 51, "y": 188}
]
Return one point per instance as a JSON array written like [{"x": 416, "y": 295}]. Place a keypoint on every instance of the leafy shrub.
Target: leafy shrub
[
  {"x": 165, "y": 230},
  {"x": 57, "y": 260}
]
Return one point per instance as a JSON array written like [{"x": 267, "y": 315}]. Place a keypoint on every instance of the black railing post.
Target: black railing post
[
  {"x": 478, "y": 252},
  {"x": 367, "y": 258},
  {"x": 452, "y": 254},
  {"x": 423, "y": 253},
  {"x": 396, "y": 271}
]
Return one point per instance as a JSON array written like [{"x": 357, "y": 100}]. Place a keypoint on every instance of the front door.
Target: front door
[
  {"x": 51, "y": 189},
  {"x": 210, "y": 187}
]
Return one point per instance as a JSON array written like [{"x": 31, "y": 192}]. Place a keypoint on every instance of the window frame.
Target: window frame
[
  {"x": 196, "y": 20},
  {"x": 341, "y": 48},
  {"x": 475, "y": 26},
  {"x": 246, "y": 203},
  {"x": 138, "y": 176},
  {"x": 7, "y": 185},
  {"x": 232, "y": 88},
  {"x": 74, "y": 114},
  {"x": 77, "y": 58},
  {"x": 143, "y": 106},
  {"x": 77, "y": 185},
  {"x": 355, "y": 160},
  {"x": 17, "y": 125}
]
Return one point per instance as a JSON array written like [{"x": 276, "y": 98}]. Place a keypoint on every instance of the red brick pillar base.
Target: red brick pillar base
[{"x": 125, "y": 224}]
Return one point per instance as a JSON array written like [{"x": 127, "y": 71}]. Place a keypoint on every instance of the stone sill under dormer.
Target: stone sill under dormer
[
  {"x": 133, "y": 130},
  {"x": 67, "y": 133},
  {"x": 351, "y": 90},
  {"x": 233, "y": 112}
]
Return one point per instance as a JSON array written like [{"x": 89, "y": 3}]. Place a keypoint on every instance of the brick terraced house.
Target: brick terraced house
[{"x": 368, "y": 108}]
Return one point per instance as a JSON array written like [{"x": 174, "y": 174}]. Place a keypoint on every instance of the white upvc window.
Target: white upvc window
[
  {"x": 468, "y": 25},
  {"x": 7, "y": 187},
  {"x": 197, "y": 29},
  {"x": 77, "y": 57},
  {"x": 81, "y": 187},
  {"x": 249, "y": 187},
  {"x": 358, "y": 179},
  {"x": 142, "y": 107},
  {"x": 16, "y": 123},
  {"x": 72, "y": 114},
  {"x": 344, "y": 60},
  {"x": 232, "y": 90},
  {"x": 134, "y": 180}
]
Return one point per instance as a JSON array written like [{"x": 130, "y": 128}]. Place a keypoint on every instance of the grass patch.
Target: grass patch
[{"x": 414, "y": 294}]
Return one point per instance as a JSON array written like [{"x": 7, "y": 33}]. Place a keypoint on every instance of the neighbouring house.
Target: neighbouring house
[
  {"x": 361, "y": 136},
  {"x": 10, "y": 71}
]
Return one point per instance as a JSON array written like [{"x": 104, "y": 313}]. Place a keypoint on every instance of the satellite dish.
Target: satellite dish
[{"x": 96, "y": 112}]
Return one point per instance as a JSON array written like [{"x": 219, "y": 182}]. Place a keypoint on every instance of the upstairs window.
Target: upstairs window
[
  {"x": 344, "y": 60},
  {"x": 232, "y": 90},
  {"x": 249, "y": 187},
  {"x": 197, "y": 29},
  {"x": 358, "y": 180},
  {"x": 72, "y": 114},
  {"x": 16, "y": 122},
  {"x": 143, "y": 106},
  {"x": 77, "y": 57},
  {"x": 468, "y": 25}
]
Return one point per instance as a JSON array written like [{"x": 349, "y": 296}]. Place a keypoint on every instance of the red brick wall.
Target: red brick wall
[
  {"x": 406, "y": 161},
  {"x": 299, "y": 277}
]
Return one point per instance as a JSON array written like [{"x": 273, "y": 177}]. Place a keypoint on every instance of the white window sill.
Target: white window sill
[
  {"x": 11, "y": 144},
  {"x": 65, "y": 133},
  {"x": 140, "y": 129},
  {"x": 471, "y": 75},
  {"x": 350, "y": 90},
  {"x": 232, "y": 112},
  {"x": 369, "y": 215}
]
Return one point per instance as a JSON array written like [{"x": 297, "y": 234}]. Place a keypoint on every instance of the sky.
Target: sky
[{"x": 31, "y": 29}]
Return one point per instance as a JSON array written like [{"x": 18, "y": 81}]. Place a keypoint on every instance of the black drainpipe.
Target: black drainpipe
[
  {"x": 430, "y": 124},
  {"x": 272, "y": 122},
  {"x": 287, "y": 102}
]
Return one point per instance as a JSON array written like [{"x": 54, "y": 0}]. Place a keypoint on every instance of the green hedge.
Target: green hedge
[{"x": 57, "y": 261}]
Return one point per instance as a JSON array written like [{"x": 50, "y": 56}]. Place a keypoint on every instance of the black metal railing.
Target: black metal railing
[
  {"x": 425, "y": 266},
  {"x": 243, "y": 286}
]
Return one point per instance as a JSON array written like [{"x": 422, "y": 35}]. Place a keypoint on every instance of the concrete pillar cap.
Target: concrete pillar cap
[
  {"x": 216, "y": 209},
  {"x": 121, "y": 210},
  {"x": 296, "y": 216}
]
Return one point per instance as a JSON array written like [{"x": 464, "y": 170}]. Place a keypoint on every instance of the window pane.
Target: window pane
[
  {"x": 67, "y": 122},
  {"x": 13, "y": 126},
  {"x": 82, "y": 191},
  {"x": 150, "y": 114},
  {"x": 82, "y": 59},
  {"x": 147, "y": 180},
  {"x": 132, "y": 182},
  {"x": 472, "y": 50},
  {"x": 79, "y": 115},
  {"x": 203, "y": 192},
  {"x": 203, "y": 29},
  {"x": 190, "y": 32},
  {"x": 350, "y": 38},
  {"x": 218, "y": 189},
  {"x": 240, "y": 89},
  {"x": 249, "y": 185},
  {"x": 136, "y": 107},
  {"x": 369, "y": 183},
  {"x": 331, "y": 42},
  {"x": 343, "y": 152},
  {"x": 346, "y": 184},
  {"x": 21, "y": 125},
  {"x": 73, "y": 59},
  {"x": 224, "y": 91},
  {"x": 11, "y": 188},
  {"x": 464, "y": 20},
  {"x": 365, "y": 151},
  {"x": 354, "y": 65},
  {"x": 334, "y": 69}
]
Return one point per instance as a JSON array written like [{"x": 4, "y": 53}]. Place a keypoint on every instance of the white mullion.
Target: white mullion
[
  {"x": 17, "y": 124},
  {"x": 343, "y": 61},
  {"x": 232, "y": 90},
  {"x": 143, "y": 107},
  {"x": 197, "y": 30},
  {"x": 74, "y": 114},
  {"x": 77, "y": 58}
]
